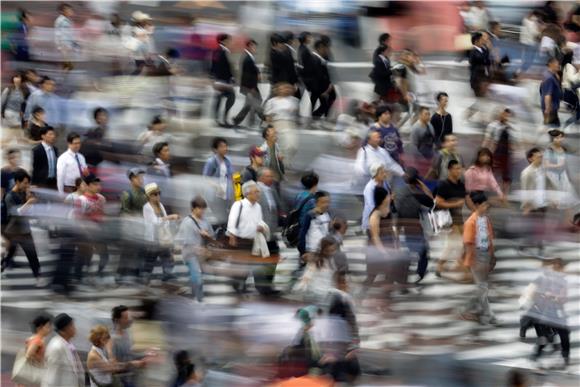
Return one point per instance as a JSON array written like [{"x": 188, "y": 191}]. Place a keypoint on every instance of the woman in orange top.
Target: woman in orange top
[{"x": 35, "y": 345}]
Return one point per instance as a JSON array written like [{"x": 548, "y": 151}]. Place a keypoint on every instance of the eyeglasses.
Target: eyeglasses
[{"x": 155, "y": 194}]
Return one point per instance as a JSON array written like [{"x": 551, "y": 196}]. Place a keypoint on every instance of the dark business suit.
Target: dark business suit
[
  {"x": 283, "y": 68},
  {"x": 41, "y": 168},
  {"x": 221, "y": 71},
  {"x": 479, "y": 62},
  {"x": 249, "y": 87},
  {"x": 381, "y": 76},
  {"x": 305, "y": 60},
  {"x": 321, "y": 83}
]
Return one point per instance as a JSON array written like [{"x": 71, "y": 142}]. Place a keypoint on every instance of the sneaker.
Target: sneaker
[{"x": 41, "y": 282}]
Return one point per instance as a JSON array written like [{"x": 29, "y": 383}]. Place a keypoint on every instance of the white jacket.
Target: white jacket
[{"x": 63, "y": 368}]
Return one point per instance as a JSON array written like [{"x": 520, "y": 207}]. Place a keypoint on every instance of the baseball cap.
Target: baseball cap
[
  {"x": 256, "y": 152},
  {"x": 134, "y": 172}
]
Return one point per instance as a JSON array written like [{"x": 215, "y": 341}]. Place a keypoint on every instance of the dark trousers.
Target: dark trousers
[
  {"x": 552, "y": 119},
  {"x": 325, "y": 102},
  {"x": 230, "y": 97},
  {"x": 27, "y": 243},
  {"x": 264, "y": 274},
  {"x": 417, "y": 244},
  {"x": 544, "y": 331},
  {"x": 129, "y": 261},
  {"x": 139, "y": 66},
  {"x": 164, "y": 255},
  {"x": 252, "y": 105},
  {"x": 86, "y": 250},
  {"x": 66, "y": 261}
]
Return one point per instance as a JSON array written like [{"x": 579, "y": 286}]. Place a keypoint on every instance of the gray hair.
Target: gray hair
[
  {"x": 248, "y": 185},
  {"x": 261, "y": 172}
]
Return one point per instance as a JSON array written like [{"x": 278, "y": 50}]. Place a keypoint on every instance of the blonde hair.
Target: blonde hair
[{"x": 98, "y": 333}]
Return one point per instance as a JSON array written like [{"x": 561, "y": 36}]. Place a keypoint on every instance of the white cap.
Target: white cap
[{"x": 140, "y": 16}]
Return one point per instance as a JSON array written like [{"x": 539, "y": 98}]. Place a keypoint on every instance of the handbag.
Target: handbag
[
  {"x": 24, "y": 372},
  {"x": 436, "y": 221}
]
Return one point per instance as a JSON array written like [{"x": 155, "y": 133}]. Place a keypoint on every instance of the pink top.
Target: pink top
[{"x": 481, "y": 179}]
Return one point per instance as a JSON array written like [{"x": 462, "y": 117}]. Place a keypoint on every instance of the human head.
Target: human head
[
  {"x": 266, "y": 176},
  {"x": 553, "y": 65},
  {"x": 24, "y": 16},
  {"x": 269, "y": 134},
  {"x": 516, "y": 378},
  {"x": 534, "y": 156},
  {"x": 21, "y": 180},
  {"x": 483, "y": 158},
  {"x": 476, "y": 39},
  {"x": 374, "y": 138},
  {"x": 120, "y": 317},
  {"x": 252, "y": 46},
  {"x": 328, "y": 246},
  {"x": 276, "y": 41},
  {"x": 305, "y": 37},
  {"x": 158, "y": 124},
  {"x": 284, "y": 89},
  {"x": 479, "y": 201},
  {"x": 288, "y": 37},
  {"x": 442, "y": 99},
  {"x": 99, "y": 336},
  {"x": 135, "y": 176},
  {"x": 224, "y": 40},
  {"x": 31, "y": 75},
  {"x": 73, "y": 140},
  {"x": 382, "y": 199},
  {"x": 80, "y": 185},
  {"x": 321, "y": 48},
  {"x": 424, "y": 114},
  {"x": 38, "y": 114},
  {"x": 309, "y": 181},
  {"x": 16, "y": 80},
  {"x": 161, "y": 151},
  {"x": 198, "y": 206},
  {"x": 378, "y": 171},
  {"x": 256, "y": 156},
  {"x": 47, "y": 84},
  {"x": 411, "y": 176},
  {"x": 322, "y": 199},
  {"x": 66, "y": 9},
  {"x": 41, "y": 325},
  {"x": 13, "y": 157},
  {"x": 384, "y": 114},
  {"x": 556, "y": 136},
  {"x": 181, "y": 359},
  {"x": 153, "y": 193},
  {"x": 93, "y": 184},
  {"x": 101, "y": 116},
  {"x": 48, "y": 135},
  {"x": 64, "y": 325},
  {"x": 220, "y": 146},
  {"x": 251, "y": 191},
  {"x": 505, "y": 115},
  {"x": 384, "y": 39},
  {"x": 339, "y": 225},
  {"x": 453, "y": 170},
  {"x": 450, "y": 142},
  {"x": 495, "y": 28}
]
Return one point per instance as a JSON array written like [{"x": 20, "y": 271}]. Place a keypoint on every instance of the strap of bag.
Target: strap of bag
[
  {"x": 239, "y": 213},
  {"x": 5, "y": 103},
  {"x": 303, "y": 203}
]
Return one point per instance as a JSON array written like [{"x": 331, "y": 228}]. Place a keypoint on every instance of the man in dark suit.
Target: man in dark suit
[
  {"x": 221, "y": 72},
  {"x": 384, "y": 40},
  {"x": 44, "y": 157},
  {"x": 305, "y": 60},
  {"x": 381, "y": 75},
  {"x": 282, "y": 61},
  {"x": 322, "y": 88},
  {"x": 479, "y": 62},
  {"x": 249, "y": 85}
]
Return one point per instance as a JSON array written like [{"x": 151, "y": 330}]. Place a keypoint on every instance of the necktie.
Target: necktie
[
  {"x": 51, "y": 163},
  {"x": 79, "y": 164}
]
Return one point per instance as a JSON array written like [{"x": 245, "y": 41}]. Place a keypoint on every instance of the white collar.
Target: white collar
[
  {"x": 319, "y": 56},
  {"x": 250, "y": 55},
  {"x": 72, "y": 153},
  {"x": 160, "y": 162},
  {"x": 478, "y": 49},
  {"x": 245, "y": 200},
  {"x": 290, "y": 47},
  {"x": 46, "y": 146},
  {"x": 384, "y": 58},
  {"x": 225, "y": 48}
]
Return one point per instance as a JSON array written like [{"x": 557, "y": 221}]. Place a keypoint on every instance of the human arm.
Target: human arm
[
  {"x": 232, "y": 229},
  {"x": 391, "y": 165},
  {"x": 303, "y": 232},
  {"x": 60, "y": 171},
  {"x": 359, "y": 164},
  {"x": 375, "y": 231},
  {"x": 94, "y": 361}
]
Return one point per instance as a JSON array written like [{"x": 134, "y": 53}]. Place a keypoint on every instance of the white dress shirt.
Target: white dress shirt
[
  {"x": 67, "y": 169},
  {"x": 368, "y": 155},
  {"x": 250, "y": 216},
  {"x": 51, "y": 157}
]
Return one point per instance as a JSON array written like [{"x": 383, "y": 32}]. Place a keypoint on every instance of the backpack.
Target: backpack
[
  {"x": 291, "y": 231},
  {"x": 237, "y": 180}
]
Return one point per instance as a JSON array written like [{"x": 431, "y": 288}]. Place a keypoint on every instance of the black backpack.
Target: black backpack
[{"x": 291, "y": 231}]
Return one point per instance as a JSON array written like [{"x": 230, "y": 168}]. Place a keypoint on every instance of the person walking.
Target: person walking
[
  {"x": 249, "y": 86},
  {"x": 479, "y": 176},
  {"x": 322, "y": 89},
  {"x": 423, "y": 140},
  {"x": 219, "y": 166},
  {"x": 221, "y": 72},
  {"x": 63, "y": 364},
  {"x": 14, "y": 102},
  {"x": 441, "y": 119},
  {"x": 448, "y": 152},
  {"x": 44, "y": 160},
  {"x": 480, "y": 258},
  {"x": 379, "y": 179},
  {"x": 100, "y": 366},
  {"x": 122, "y": 346},
  {"x": 316, "y": 224},
  {"x": 36, "y": 344},
  {"x": 373, "y": 153},
  {"x": 551, "y": 93},
  {"x": 273, "y": 158},
  {"x": 390, "y": 136},
  {"x": 256, "y": 162},
  {"x": 45, "y": 98},
  {"x": 501, "y": 139},
  {"x": 556, "y": 169},
  {"x": 70, "y": 165},
  {"x": 64, "y": 38}
]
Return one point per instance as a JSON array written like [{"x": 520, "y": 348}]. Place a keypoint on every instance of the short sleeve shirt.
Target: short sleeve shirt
[
  {"x": 550, "y": 86},
  {"x": 451, "y": 191}
]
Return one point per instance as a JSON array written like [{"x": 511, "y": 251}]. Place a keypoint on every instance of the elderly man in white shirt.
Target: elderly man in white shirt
[
  {"x": 70, "y": 165},
  {"x": 373, "y": 153},
  {"x": 379, "y": 179}
]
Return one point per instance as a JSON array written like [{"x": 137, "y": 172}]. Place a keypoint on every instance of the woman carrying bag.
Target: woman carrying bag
[{"x": 29, "y": 364}]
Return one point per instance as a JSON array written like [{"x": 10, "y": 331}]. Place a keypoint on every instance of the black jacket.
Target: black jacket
[
  {"x": 321, "y": 77},
  {"x": 221, "y": 69},
  {"x": 382, "y": 76},
  {"x": 282, "y": 67},
  {"x": 250, "y": 73},
  {"x": 40, "y": 164},
  {"x": 305, "y": 58},
  {"x": 478, "y": 65}
]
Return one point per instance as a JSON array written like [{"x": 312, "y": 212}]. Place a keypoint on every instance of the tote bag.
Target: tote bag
[{"x": 24, "y": 372}]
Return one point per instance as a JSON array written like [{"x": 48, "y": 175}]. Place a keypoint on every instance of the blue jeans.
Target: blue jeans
[{"x": 196, "y": 277}]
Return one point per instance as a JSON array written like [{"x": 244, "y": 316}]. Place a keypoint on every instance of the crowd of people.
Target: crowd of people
[{"x": 413, "y": 189}]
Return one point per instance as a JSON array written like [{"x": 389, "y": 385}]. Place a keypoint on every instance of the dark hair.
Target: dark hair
[
  {"x": 552, "y": 59},
  {"x": 493, "y": 23},
  {"x": 383, "y": 109},
  {"x": 20, "y": 175},
  {"x": 98, "y": 111},
  {"x": 448, "y": 135},
  {"x": 22, "y": 14},
  {"x": 37, "y": 109},
  {"x": 309, "y": 180},
  {"x": 39, "y": 322},
  {"x": 45, "y": 79},
  {"x": 72, "y": 136},
  {"x": 452, "y": 163},
  {"x": 78, "y": 182},
  {"x": 181, "y": 359},
  {"x": 532, "y": 152},
  {"x": 478, "y": 197},
  {"x": 63, "y": 6},
  {"x": 188, "y": 371},
  {"x": 320, "y": 194},
  {"x": 325, "y": 39},
  {"x": 222, "y": 37},
  {"x": 338, "y": 223},
  {"x": 265, "y": 131},
  {"x": 480, "y": 152},
  {"x": 379, "y": 195},
  {"x": 157, "y": 148},
  {"x": 172, "y": 53},
  {"x": 157, "y": 120},
  {"x": 287, "y": 36},
  {"x": 117, "y": 311},
  {"x": 304, "y": 35},
  {"x": 475, "y": 37},
  {"x": 440, "y": 95},
  {"x": 319, "y": 44},
  {"x": 422, "y": 109},
  {"x": 275, "y": 39},
  {"x": 325, "y": 242},
  {"x": 12, "y": 151},
  {"x": 384, "y": 37},
  {"x": 45, "y": 130},
  {"x": 198, "y": 202},
  {"x": 250, "y": 42},
  {"x": 217, "y": 141}
]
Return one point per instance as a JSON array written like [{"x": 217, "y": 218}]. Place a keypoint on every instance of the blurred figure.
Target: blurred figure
[
  {"x": 193, "y": 236},
  {"x": 221, "y": 72},
  {"x": 281, "y": 111},
  {"x": 338, "y": 228},
  {"x": 447, "y": 153},
  {"x": 479, "y": 70},
  {"x": 160, "y": 165},
  {"x": 219, "y": 166},
  {"x": 317, "y": 279},
  {"x": 63, "y": 364},
  {"x": 100, "y": 366},
  {"x": 31, "y": 80},
  {"x": 305, "y": 60},
  {"x": 391, "y": 138},
  {"x": 550, "y": 93},
  {"x": 182, "y": 361},
  {"x": 423, "y": 138},
  {"x": 273, "y": 158},
  {"x": 141, "y": 44},
  {"x": 19, "y": 202},
  {"x": 384, "y": 41},
  {"x": 19, "y": 40},
  {"x": 73, "y": 198},
  {"x": 379, "y": 179},
  {"x": 70, "y": 165},
  {"x": 122, "y": 346},
  {"x": 480, "y": 258},
  {"x": 479, "y": 176},
  {"x": 45, "y": 98},
  {"x": 192, "y": 377},
  {"x": 501, "y": 139},
  {"x": 158, "y": 234},
  {"x": 533, "y": 180},
  {"x": 155, "y": 134},
  {"x": 14, "y": 102},
  {"x": 94, "y": 144},
  {"x": 283, "y": 62},
  {"x": 44, "y": 160},
  {"x": 36, "y": 124},
  {"x": 64, "y": 38},
  {"x": 530, "y": 34},
  {"x": 382, "y": 76},
  {"x": 250, "y": 77},
  {"x": 407, "y": 74},
  {"x": 36, "y": 344},
  {"x": 256, "y": 162},
  {"x": 551, "y": 12},
  {"x": 13, "y": 156},
  {"x": 322, "y": 89},
  {"x": 315, "y": 224},
  {"x": 570, "y": 85},
  {"x": 303, "y": 354},
  {"x": 516, "y": 378},
  {"x": 373, "y": 153},
  {"x": 441, "y": 119}
]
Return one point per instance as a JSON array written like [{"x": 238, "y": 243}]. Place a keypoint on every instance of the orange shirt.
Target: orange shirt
[
  {"x": 469, "y": 237},
  {"x": 39, "y": 355}
]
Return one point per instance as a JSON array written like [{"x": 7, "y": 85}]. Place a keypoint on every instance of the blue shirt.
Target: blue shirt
[
  {"x": 310, "y": 204},
  {"x": 550, "y": 86},
  {"x": 391, "y": 140}
]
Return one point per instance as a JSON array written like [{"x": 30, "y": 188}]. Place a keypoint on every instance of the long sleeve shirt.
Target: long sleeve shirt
[
  {"x": 63, "y": 33},
  {"x": 481, "y": 179},
  {"x": 153, "y": 222},
  {"x": 51, "y": 104},
  {"x": 243, "y": 222},
  {"x": 68, "y": 169},
  {"x": 368, "y": 155}
]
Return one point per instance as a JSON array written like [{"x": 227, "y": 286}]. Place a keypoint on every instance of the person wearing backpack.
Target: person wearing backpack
[
  {"x": 316, "y": 224},
  {"x": 256, "y": 162}
]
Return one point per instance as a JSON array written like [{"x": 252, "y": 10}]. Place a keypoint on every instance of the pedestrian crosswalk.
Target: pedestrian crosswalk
[{"x": 425, "y": 321}]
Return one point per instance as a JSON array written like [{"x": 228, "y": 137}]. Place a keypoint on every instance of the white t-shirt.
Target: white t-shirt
[
  {"x": 482, "y": 234},
  {"x": 282, "y": 108},
  {"x": 223, "y": 179}
]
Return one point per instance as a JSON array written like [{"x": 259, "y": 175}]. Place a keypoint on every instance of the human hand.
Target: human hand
[
  {"x": 233, "y": 241},
  {"x": 260, "y": 229}
]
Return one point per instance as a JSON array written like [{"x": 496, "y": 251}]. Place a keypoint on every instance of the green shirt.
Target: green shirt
[{"x": 132, "y": 201}]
